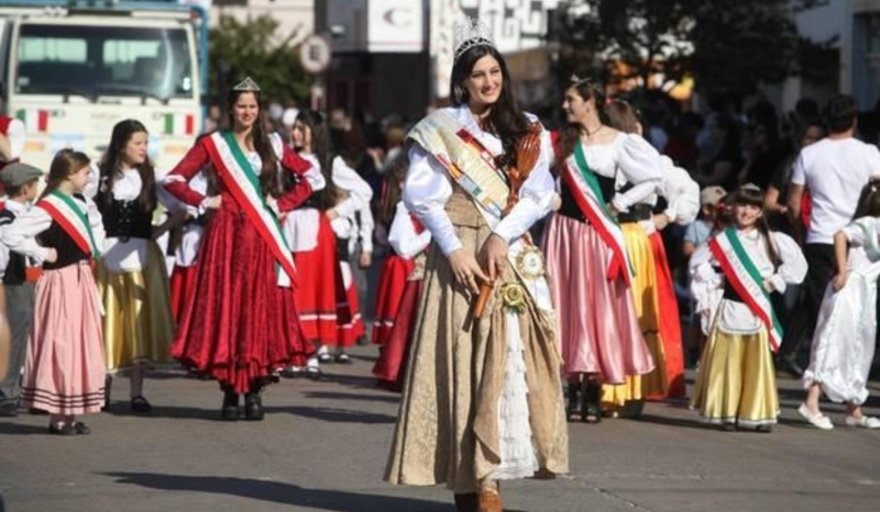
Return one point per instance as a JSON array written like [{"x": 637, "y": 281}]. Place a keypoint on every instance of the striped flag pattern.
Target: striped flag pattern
[
  {"x": 34, "y": 119},
  {"x": 179, "y": 124}
]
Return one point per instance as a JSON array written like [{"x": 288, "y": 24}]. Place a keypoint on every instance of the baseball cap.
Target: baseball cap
[{"x": 712, "y": 195}]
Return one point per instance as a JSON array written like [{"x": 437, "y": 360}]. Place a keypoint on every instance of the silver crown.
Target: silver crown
[
  {"x": 247, "y": 84},
  {"x": 469, "y": 33}
]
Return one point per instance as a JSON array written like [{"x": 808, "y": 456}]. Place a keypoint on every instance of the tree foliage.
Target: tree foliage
[
  {"x": 726, "y": 45},
  {"x": 251, "y": 48}
]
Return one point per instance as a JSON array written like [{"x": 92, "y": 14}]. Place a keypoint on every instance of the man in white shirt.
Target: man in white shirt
[{"x": 834, "y": 170}]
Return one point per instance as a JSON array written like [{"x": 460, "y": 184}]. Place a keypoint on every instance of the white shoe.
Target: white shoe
[
  {"x": 869, "y": 422},
  {"x": 818, "y": 419}
]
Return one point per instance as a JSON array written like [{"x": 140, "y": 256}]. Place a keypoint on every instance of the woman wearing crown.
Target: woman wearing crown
[
  {"x": 482, "y": 400},
  {"x": 241, "y": 323}
]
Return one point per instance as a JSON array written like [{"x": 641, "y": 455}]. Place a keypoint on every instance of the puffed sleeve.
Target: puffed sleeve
[
  {"x": 858, "y": 231},
  {"x": 681, "y": 192},
  {"x": 367, "y": 224},
  {"x": 177, "y": 181},
  {"x": 792, "y": 267},
  {"x": 425, "y": 192},
  {"x": 20, "y": 236},
  {"x": 641, "y": 166},
  {"x": 536, "y": 196},
  {"x": 704, "y": 279},
  {"x": 359, "y": 191},
  {"x": 402, "y": 235},
  {"x": 96, "y": 223}
]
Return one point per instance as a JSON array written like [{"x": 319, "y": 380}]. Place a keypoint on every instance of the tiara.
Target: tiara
[
  {"x": 469, "y": 33},
  {"x": 247, "y": 84}
]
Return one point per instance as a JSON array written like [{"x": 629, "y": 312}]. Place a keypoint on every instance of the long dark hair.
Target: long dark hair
[
  {"x": 505, "y": 119},
  {"x": 270, "y": 178},
  {"x": 869, "y": 200},
  {"x": 392, "y": 188},
  {"x": 571, "y": 132},
  {"x": 110, "y": 167},
  {"x": 323, "y": 151},
  {"x": 622, "y": 116},
  {"x": 65, "y": 163},
  {"x": 752, "y": 195}
]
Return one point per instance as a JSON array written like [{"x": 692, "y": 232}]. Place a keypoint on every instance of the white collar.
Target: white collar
[{"x": 17, "y": 207}]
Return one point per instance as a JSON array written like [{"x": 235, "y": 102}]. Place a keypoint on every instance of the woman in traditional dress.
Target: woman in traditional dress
[
  {"x": 482, "y": 398},
  {"x": 843, "y": 345},
  {"x": 132, "y": 276},
  {"x": 736, "y": 385},
  {"x": 64, "y": 366},
  {"x": 241, "y": 324},
  {"x": 587, "y": 262},
  {"x": 652, "y": 288}
]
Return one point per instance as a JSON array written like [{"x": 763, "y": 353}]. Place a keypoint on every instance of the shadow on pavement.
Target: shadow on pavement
[
  {"x": 334, "y": 415},
  {"x": 18, "y": 429},
  {"x": 161, "y": 411},
  {"x": 279, "y": 492},
  {"x": 332, "y": 395}
]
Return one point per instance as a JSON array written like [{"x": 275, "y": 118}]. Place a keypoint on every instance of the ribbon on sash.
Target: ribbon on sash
[
  {"x": 242, "y": 181},
  {"x": 73, "y": 219},
  {"x": 584, "y": 187},
  {"x": 743, "y": 275}
]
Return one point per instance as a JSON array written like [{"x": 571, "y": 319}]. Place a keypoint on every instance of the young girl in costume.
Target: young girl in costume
[
  {"x": 843, "y": 345},
  {"x": 736, "y": 385},
  {"x": 133, "y": 277},
  {"x": 408, "y": 239},
  {"x": 186, "y": 250},
  {"x": 242, "y": 323},
  {"x": 64, "y": 367}
]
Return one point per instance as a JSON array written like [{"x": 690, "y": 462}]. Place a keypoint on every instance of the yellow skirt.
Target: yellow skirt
[
  {"x": 644, "y": 290},
  {"x": 138, "y": 327},
  {"x": 736, "y": 383}
]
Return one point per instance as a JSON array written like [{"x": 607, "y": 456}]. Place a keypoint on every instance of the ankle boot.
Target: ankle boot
[
  {"x": 253, "y": 406},
  {"x": 573, "y": 409},
  {"x": 229, "y": 411},
  {"x": 591, "y": 408}
]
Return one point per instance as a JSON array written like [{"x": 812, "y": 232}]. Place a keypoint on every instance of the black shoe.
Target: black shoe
[
  {"x": 80, "y": 428},
  {"x": 229, "y": 411},
  {"x": 9, "y": 409},
  {"x": 140, "y": 404},
  {"x": 466, "y": 502},
  {"x": 363, "y": 341},
  {"x": 325, "y": 358},
  {"x": 764, "y": 429},
  {"x": 62, "y": 429},
  {"x": 573, "y": 408},
  {"x": 591, "y": 407},
  {"x": 253, "y": 407},
  {"x": 293, "y": 372},
  {"x": 314, "y": 373},
  {"x": 728, "y": 427},
  {"x": 343, "y": 358},
  {"x": 788, "y": 364}
]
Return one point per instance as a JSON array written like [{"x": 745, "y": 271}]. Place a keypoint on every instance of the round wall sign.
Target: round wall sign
[{"x": 315, "y": 54}]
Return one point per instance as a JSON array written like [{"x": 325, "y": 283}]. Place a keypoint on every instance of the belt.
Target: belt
[{"x": 636, "y": 213}]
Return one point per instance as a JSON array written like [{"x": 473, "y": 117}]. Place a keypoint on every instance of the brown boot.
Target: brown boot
[
  {"x": 489, "y": 501},
  {"x": 466, "y": 502}
]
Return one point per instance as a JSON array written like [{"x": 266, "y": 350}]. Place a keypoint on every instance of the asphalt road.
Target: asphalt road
[{"x": 323, "y": 447}]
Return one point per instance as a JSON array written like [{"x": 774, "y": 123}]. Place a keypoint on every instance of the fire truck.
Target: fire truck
[{"x": 71, "y": 69}]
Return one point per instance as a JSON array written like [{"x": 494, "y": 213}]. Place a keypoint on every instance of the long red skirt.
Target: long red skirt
[
  {"x": 391, "y": 365},
  {"x": 320, "y": 282},
  {"x": 183, "y": 284},
  {"x": 670, "y": 326},
  {"x": 391, "y": 286},
  {"x": 239, "y": 325}
]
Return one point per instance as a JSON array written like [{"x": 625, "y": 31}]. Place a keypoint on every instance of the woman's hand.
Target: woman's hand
[
  {"x": 466, "y": 270},
  {"x": 51, "y": 255},
  {"x": 332, "y": 214},
  {"x": 493, "y": 256},
  {"x": 839, "y": 281},
  {"x": 213, "y": 202},
  {"x": 366, "y": 259},
  {"x": 660, "y": 221}
]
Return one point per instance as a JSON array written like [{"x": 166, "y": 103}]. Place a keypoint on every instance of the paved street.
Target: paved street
[{"x": 323, "y": 445}]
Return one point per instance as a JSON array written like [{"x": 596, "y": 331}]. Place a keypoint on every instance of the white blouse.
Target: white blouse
[
  {"x": 428, "y": 187},
  {"x": 20, "y": 236},
  {"x": 682, "y": 193},
  {"x": 637, "y": 162},
  {"x": 735, "y": 316},
  {"x": 18, "y": 209},
  {"x": 346, "y": 225},
  {"x": 402, "y": 235}
]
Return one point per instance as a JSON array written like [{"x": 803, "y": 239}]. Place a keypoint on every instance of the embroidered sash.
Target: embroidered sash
[
  {"x": 73, "y": 219},
  {"x": 584, "y": 187},
  {"x": 742, "y": 274},
  {"x": 468, "y": 162},
  {"x": 243, "y": 182}
]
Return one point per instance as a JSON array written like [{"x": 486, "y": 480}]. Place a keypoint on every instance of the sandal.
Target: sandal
[{"x": 140, "y": 404}]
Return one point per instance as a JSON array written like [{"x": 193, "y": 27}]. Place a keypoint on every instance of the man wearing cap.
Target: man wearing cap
[{"x": 22, "y": 183}]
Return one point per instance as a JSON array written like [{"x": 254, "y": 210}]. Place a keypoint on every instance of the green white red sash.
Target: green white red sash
[
  {"x": 466, "y": 160},
  {"x": 584, "y": 187},
  {"x": 73, "y": 219},
  {"x": 242, "y": 181},
  {"x": 742, "y": 274}
]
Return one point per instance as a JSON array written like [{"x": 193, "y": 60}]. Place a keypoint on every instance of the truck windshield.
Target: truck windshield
[{"x": 91, "y": 61}]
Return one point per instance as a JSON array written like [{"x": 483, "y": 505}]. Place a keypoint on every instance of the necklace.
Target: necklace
[{"x": 589, "y": 134}]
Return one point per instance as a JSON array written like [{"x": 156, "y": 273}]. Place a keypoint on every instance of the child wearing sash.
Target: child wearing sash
[
  {"x": 64, "y": 367},
  {"x": 482, "y": 399},
  {"x": 736, "y": 385},
  {"x": 587, "y": 262},
  {"x": 242, "y": 324},
  {"x": 843, "y": 345},
  {"x": 133, "y": 277}
]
